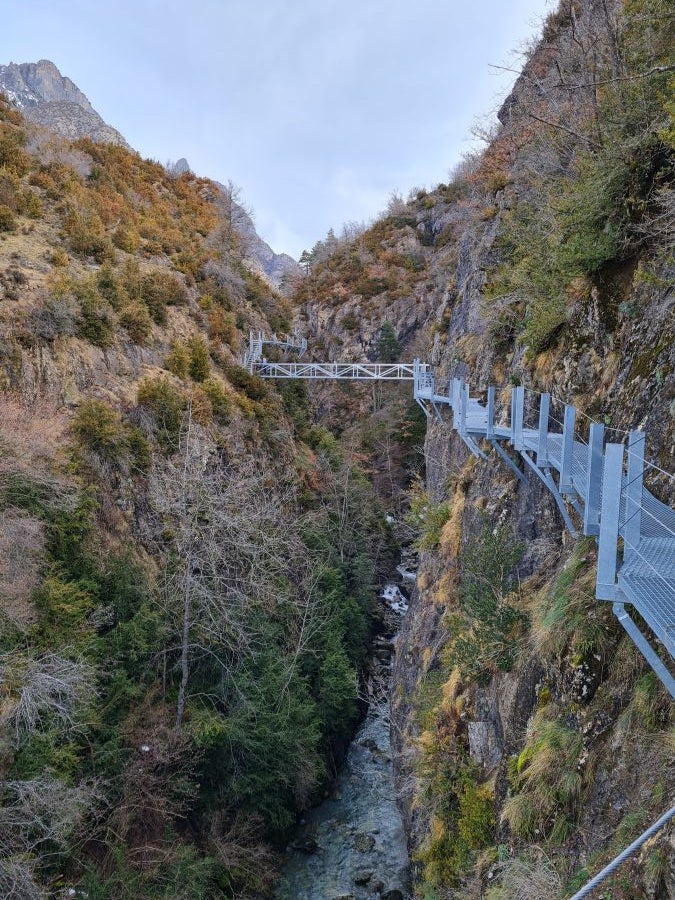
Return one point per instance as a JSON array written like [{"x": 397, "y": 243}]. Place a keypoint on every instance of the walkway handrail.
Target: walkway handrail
[
  {"x": 337, "y": 371},
  {"x": 293, "y": 343},
  {"x": 597, "y": 488},
  {"x": 602, "y": 483}
]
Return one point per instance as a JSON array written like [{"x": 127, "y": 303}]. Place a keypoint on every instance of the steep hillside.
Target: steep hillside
[
  {"x": 52, "y": 101},
  {"x": 188, "y": 553},
  {"x": 532, "y": 740},
  {"x": 186, "y": 561}
]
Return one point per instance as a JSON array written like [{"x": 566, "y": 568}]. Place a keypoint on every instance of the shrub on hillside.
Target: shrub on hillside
[
  {"x": 12, "y": 155},
  {"x": 252, "y": 385},
  {"x": 10, "y": 190},
  {"x": 388, "y": 345},
  {"x": 178, "y": 360},
  {"x": 7, "y": 220},
  {"x": 222, "y": 327},
  {"x": 86, "y": 235},
  {"x": 199, "y": 358},
  {"x": 159, "y": 289},
  {"x": 55, "y": 319},
  {"x": 220, "y": 401},
  {"x": 95, "y": 321},
  {"x": 489, "y": 639},
  {"x": 166, "y": 406},
  {"x": 135, "y": 319},
  {"x": 110, "y": 287},
  {"x": 126, "y": 239},
  {"x": 100, "y": 429}
]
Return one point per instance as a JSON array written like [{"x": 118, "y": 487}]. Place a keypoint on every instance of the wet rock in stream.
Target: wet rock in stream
[{"x": 360, "y": 844}]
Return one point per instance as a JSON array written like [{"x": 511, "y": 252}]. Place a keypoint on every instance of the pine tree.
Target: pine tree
[{"x": 388, "y": 345}]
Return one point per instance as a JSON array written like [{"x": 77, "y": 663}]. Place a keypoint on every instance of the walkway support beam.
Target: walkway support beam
[
  {"x": 612, "y": 479},
  {"x": 594, "y": 464}
]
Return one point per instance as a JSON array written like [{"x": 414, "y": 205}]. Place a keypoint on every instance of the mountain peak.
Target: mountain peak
[{"x": 48, "y": 98}]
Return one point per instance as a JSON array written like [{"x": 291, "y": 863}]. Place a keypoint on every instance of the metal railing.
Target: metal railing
[
  {"x": 286, "y": 343},
  {"x": 598, "y": 488}
]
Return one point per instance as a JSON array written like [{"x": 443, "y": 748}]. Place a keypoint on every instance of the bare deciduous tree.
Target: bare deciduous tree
[
  {"x": 49, "y": 688},
  {"x": 17, "y": 881},
  {"x": 41, "y": 811},
  {"x": 235, "y": 554},
  {"x": 236, "y": 216},
  {"x": 22, "y": 542},
  {"x": 237, "y": 842}
]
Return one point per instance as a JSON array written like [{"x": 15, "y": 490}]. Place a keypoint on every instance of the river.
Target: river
[{"x": 352, "y": 846}]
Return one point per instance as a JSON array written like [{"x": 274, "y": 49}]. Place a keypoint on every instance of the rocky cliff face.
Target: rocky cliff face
[
  {"x": 279, "y": 269},
  {"x": 50, "y": 99}
]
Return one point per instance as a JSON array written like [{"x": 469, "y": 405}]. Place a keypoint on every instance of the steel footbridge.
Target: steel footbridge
[{"x": 598, "y": 486}]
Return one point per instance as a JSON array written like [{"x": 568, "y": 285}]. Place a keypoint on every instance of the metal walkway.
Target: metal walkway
[
  {"x": 599, "y": 488},
  {"x": 286, "y": 343},
  {"x": 338, "y": 370}
]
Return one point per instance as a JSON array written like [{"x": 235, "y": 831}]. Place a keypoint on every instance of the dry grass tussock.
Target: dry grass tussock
[
  {"x": 532, "y": 878},
  {"x": 22, "y": 542},
  {"x": 31, "y": 435}
]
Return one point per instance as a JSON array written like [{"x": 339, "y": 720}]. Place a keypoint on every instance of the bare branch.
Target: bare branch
[
  {"x": 576, "y": 134},
  {"x": 49, "y": 687},
  {"x": 17, "y": 881},
  {"x": 42, "y": 810}
]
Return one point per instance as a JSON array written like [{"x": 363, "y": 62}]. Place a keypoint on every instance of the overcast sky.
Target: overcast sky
[{"x": 318, "y": 109}]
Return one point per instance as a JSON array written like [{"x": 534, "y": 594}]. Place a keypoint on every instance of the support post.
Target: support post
[
  {"x": 645, "y": 647},
  {"x": 457, "y": 388},
  {"x": 463, "y": 403},
  {"x": 542, "y": 437},
  {"x": 567, "y": 452},
  {"x": 593, "y": 485},
  {"x": 490, "y": 429},
  {"x": 605, "y": 587},
  {"x": 636, "y": 465},
  {"x": 416, "y": 379},
  {"x": 517, "y": 413}
]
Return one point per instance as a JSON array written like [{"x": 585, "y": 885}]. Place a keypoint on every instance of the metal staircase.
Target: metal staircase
[{"x": 286, "y": 343}]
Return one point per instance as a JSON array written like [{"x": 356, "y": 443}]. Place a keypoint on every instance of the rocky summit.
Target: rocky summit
[{"x": 49, "y": 99}]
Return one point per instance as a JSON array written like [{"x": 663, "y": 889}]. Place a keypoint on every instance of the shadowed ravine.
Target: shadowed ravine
[{"x": 352, "y": 846}]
